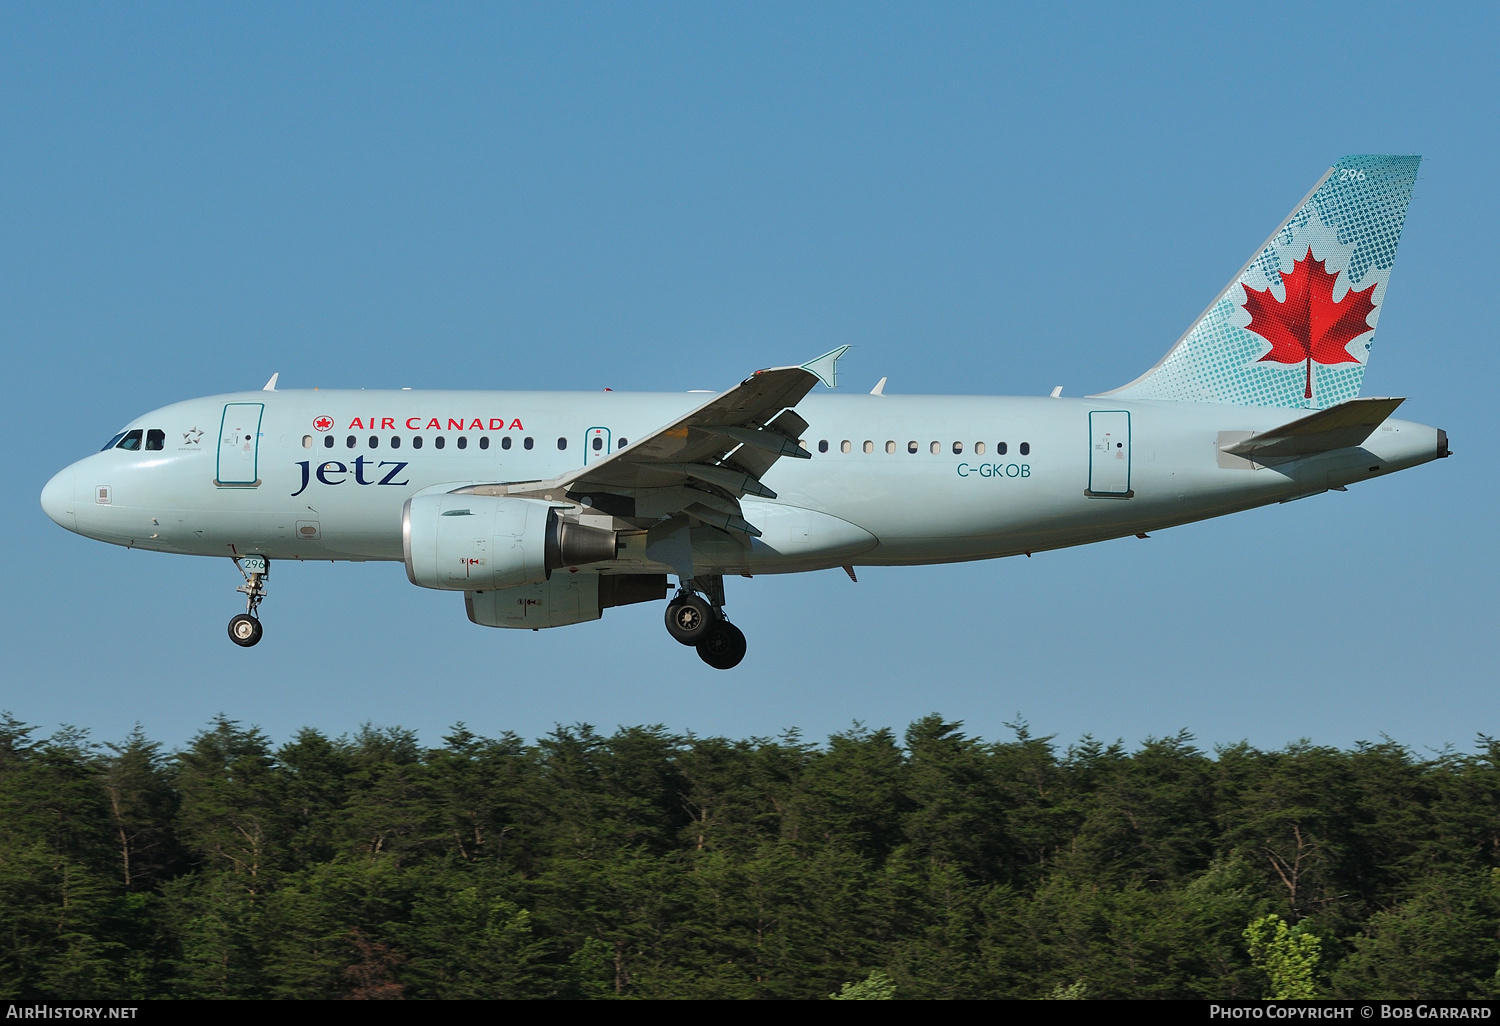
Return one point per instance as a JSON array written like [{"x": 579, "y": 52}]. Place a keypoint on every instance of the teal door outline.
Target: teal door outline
[
  {"x": 590, "y": 454},
  {"x": 239, "y": 446},
  {"x": 1109, "y": 455}
]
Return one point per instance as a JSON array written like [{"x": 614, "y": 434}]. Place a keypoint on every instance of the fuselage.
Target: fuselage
[{"x": 891, "y": 479}]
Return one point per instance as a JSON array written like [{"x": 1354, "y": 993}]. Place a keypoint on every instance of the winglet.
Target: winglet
[
  {"x": 271, "y": 385},
  {"x": 826, "y": 366},
  {"x": 879, "y": 388}
]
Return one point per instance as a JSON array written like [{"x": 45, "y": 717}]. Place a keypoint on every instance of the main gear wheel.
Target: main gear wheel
[
  {"x": 689, "y": 617},
  {"x": 723, "y": 646}
]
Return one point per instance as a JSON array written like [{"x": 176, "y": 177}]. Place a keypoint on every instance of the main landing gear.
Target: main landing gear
[
  {"x": 245, "y": 629},
  {"x": 696, "y": 617}
]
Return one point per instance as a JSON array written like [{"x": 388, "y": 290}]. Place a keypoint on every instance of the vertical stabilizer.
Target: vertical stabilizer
[{"x": 1295, "y": 326}]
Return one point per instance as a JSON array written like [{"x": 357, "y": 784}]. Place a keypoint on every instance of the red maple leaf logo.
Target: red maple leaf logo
[
  {"x": 1309, "y": 326},
  {"x": 323, "y": 424}
]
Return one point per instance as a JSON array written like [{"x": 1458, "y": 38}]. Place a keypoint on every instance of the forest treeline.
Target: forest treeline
[{"x": 646, "y": 864}]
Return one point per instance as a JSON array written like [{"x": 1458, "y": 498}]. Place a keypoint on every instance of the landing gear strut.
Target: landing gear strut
[
  {"x": 245, "y": 629},
  {"x": 696, "y": 617}
]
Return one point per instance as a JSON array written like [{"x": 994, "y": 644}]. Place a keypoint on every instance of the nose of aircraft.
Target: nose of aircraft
[{"x": 57, "y": 499}]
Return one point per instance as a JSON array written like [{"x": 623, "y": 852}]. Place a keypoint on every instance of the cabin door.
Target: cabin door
[
  {"x": 239, "y": 445},
  {"x": 1109, "y": 454}
]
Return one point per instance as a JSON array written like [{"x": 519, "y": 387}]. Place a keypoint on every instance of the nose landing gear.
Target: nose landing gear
[
  {"x": 245, "y": 629},
  {"x": 695, "y": 617}
]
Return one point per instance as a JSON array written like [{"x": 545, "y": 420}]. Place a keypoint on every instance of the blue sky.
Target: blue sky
[{"x": 981, "y": 199}]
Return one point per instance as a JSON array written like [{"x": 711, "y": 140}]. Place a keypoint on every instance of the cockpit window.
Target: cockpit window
[
  {"x": 156, "y": 439},
  {"x": 131, "y": 441},
  {"x": 113, "y": 441}
]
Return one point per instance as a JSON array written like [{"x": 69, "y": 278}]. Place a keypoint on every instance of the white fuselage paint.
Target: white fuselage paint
[{"x": 876, "y": 508}]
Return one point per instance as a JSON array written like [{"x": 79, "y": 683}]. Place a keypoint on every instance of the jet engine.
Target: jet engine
[
  {"x": 565, "y": 599},
  {"x": 482, "y": 542}
]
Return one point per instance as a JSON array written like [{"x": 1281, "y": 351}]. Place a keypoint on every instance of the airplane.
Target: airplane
[{"x": 546, "y": 508}]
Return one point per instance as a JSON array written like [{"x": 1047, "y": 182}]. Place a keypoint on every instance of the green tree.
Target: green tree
[
  {"x": 231, "y": 806},
  {"x": 875, "y": 987},
  {"x": 472, "y": 943},
  {"x": 1287, "y": 955},
  {"x": 1438, "y": 943},
  {"x": 142, "y": 806}
]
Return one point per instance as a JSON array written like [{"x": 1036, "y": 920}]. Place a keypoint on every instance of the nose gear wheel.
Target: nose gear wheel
[{"x": 245, "y": 630}]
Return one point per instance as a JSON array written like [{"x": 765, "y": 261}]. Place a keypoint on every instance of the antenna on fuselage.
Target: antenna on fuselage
[{"x": 271, "y": 385}]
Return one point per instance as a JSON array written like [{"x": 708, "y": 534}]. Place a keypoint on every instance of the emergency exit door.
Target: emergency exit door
[
  {"x": 1109, "y": 454},
  {"x": 239, "y": 445},
  {"x": 596, "y": 444}
]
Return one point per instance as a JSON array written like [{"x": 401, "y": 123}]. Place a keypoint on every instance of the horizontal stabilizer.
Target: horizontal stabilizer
[{"x": 1339, "y": 427}]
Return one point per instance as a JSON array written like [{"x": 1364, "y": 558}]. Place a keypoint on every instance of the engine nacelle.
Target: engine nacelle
[
  {"x": 482, "y": 542},
  {"x": 563, "y": 600}
]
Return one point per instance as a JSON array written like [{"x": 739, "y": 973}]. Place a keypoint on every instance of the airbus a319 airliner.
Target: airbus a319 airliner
[{"x": 545, "y": 508}]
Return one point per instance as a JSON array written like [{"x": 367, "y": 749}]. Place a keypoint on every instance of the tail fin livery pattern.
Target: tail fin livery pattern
[{"x": 1294, "y": 327}]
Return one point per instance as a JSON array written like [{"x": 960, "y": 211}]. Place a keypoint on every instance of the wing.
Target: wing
[{"x": 702, "y": 463}]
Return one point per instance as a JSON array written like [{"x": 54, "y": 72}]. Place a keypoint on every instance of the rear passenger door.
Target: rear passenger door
[{"x": 1109, "y": 454}]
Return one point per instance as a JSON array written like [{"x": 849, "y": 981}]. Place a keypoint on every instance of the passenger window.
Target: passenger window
[
  {"x": 307, "y": 441},
  {"x": 484, "y": 441},
  {"x": 978, "y": 448},
  {"x": 562, "y": 443},
  {"x": 598, "y": 443},
  {"x": 936, "y": 447},
  {"x": 622, "y": 444},
  {"x": 374, "y": 441},
  {"x": 439, "y": 442},
  {"x": 1000, "y": 448},
  {"x": 846, "y": 445},
  {"x": 527, "y": 443},
  {"x": 111, "y": 443},
  {"x": 1025, "y": 448},
  {"x": 328, "y": 441},
  {"x": 890, "y": 447},
  {"x": 802, "y": 442},
  {"x": 911, "y": 447},
  {"x": 869, "y": 446},
  {"x": 131, "y": 442},
  {"x": 349, "y": 442},
  {"x": 156, "y": 440},
  {"x": 416, "y": 441},
  {"x": 463, "y": 441},
  {"x": 505, "y": 442},
  {"x": 823, "y": 445},
  {"x": 958, "y": 448},
  {"x": 395, "y": 441}
]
